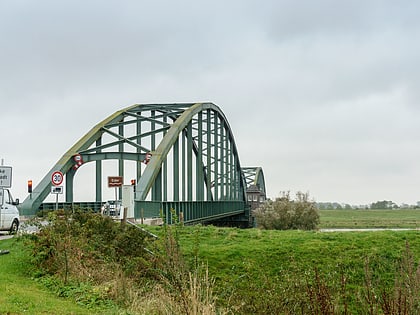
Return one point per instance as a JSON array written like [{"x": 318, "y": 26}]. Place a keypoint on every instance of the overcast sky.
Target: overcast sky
[{"x": 324, "y": 95}]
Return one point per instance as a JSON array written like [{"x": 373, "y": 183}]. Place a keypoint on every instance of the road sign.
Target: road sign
[
  {"x": 57, "y": 178},
  {"x": 56, "y": 189},
  {"x": 147, "y": 158},
  {"x": 115, "y": 181},
  {"x": 5, "y": 176}
]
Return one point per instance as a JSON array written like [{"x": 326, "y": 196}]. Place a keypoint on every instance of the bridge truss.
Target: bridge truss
[{"x": 186, "y": 162}]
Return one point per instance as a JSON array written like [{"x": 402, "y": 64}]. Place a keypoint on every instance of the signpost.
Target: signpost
[
  {"x": 116, "y": 182},
  {"x": 1, "y": 196},
  {"x": 56, "y": 179}
]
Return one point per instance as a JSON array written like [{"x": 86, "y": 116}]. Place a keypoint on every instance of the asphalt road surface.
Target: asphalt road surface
[{"x": 5, "y": 236}]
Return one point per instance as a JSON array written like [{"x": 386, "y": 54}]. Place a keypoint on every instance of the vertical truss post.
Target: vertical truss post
[
  {"x": 222, "y": 161},
  {"x": 138, "y": 163},
  {"x": 176, "y": 170},
  {"x": 229, "y": 166},
  {"x": 227, "y": 159},
  {"x": 208, "y": 153},
  {"x": 157, "y": 191},
  {"x": 98, "y": 173},
  {"x": 216, "y": 157},
  {"x": 199, "y": 161},
  {"x": 232, "y": 173},
  {"x": 121, "y": 161},
  {"x": 69, "y": 185},
  {"x": 189, "y": 162},
  {"x": 165, "y": 169},
  {"x": 157, "y": 186},
  {"x": 183, "y": 184}
]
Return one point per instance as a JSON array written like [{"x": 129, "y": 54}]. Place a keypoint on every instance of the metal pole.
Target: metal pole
[{"x": 115, "y": 206}]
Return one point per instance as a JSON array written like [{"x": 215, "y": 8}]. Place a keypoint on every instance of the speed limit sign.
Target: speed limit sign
[{"x": 57, "y": 178}]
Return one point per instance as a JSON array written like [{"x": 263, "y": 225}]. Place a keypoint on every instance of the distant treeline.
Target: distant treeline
[{"x": 384, "y": 204}]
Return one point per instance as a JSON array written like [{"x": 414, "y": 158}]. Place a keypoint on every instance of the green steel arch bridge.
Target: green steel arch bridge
[{"x": 186, "y": 163}]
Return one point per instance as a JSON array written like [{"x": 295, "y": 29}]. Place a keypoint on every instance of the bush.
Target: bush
[
  {"x": 82, "y": 245},
  {"x": 100, "y": 262},
  {"x": 286, "y": 214}
]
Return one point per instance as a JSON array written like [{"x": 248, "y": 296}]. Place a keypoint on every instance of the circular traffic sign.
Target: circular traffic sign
[
  {"x": 77, "y": 158},
  {"x": 57, "y": 178}
]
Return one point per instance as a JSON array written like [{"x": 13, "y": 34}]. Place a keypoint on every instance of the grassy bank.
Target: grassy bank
[
  {"x": 20, "y": 294},
  {"x": 255, "y": 271},
  {"x": 260, "y": 272}
]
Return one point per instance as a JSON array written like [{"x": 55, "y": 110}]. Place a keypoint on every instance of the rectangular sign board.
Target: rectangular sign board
[
  {"x": 5, "y": 176},
  {"x": 115, "y": 181},
  {"x": 56, "y": 189}
]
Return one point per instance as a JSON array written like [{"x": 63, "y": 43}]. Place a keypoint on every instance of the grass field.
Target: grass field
[
  {"x": 255, "y": 271},
  {"x": 404, "y": 218},
  {"x": 262, "y": 268}
]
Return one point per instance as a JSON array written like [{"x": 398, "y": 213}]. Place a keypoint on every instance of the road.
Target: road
[{"x": 5, "y": 236}]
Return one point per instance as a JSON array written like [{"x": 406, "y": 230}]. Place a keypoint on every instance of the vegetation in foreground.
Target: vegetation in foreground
[
  {"x": 228, "y": 271},
  {"x": 19, "y": 294}
]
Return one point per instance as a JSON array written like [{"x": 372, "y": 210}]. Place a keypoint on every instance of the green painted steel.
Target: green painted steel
[
  {"x": 254, "y": 176},
  {"x": 189, "y": 212},
  {"x": 185, "y": 157},
  {"x": 65, "y": 164},
  {"x": 89, "y": 206}
]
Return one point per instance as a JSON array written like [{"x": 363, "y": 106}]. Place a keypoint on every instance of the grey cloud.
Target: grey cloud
[{"x": 316, "y": 92}]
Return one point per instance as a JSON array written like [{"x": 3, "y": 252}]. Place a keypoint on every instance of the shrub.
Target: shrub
[
  {"x": 99, "y": 262},
  {"x": 286, "y": 214},
  {"x": 81, "y": 245}
]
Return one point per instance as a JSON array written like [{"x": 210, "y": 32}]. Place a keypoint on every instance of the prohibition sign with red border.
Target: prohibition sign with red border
[{"x": 57, "y": 178}]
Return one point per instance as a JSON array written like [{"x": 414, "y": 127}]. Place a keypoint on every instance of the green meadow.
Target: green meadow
[
  {"x": 256, "y": 271},
  {"x": 398, "y": 218}
]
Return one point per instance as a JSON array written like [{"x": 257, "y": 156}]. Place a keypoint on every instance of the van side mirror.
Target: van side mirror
[{"x": 16, "y": 202}]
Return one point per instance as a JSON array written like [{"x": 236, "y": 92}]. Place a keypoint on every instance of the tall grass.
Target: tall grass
[
  {"x": 209, "y": 270},
  {"x": 95, "y": 260}
]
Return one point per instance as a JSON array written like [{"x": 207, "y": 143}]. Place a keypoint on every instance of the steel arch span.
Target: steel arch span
[
  {"x": 255, "y": 176},
  {"x": 187, "y": 163}
]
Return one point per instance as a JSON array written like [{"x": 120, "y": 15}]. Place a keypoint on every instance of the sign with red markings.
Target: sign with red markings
[{"x": 57, "y": 178}]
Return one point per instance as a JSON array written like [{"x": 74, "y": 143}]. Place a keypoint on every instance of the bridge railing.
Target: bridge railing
[
  {"x": 94, "y": 206},
  {"x": 188, "y": 211}
]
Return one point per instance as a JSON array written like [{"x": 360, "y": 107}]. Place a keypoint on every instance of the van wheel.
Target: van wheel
[{"x": 14, "y": 228}]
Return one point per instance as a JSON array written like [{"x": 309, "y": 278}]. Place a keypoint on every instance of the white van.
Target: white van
[{"x": 9, "y": 213}]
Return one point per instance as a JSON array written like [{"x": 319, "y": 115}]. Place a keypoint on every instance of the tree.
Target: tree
[
  {"x": 285, "y": 213},
  {"x": 384, "y": 204}
]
